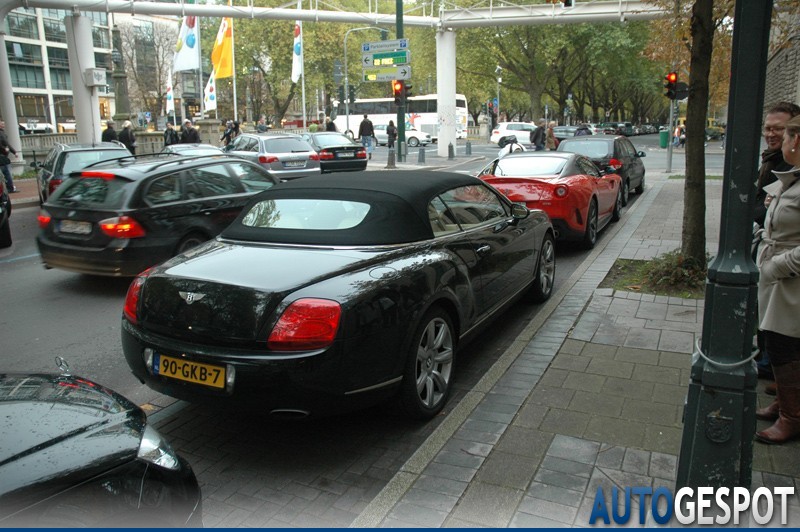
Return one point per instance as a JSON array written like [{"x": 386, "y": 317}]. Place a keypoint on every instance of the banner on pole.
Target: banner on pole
[
  {"x": 210, "y": 93},
  {"x": 297, "y": 51},
  {"x": 170, "y": 97},
  {"x": 186, "y": 56},
  {"x": 222, "y": 54}
]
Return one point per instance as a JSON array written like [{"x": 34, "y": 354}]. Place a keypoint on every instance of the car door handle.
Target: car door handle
[{"x": 483, "y": 250}]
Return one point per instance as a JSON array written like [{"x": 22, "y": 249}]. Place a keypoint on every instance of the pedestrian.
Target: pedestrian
[
  {"x": 682, "y": 136},
  {"x": 391, "y": 134},
  {"x": 509, "y": 144},
  {"x": 170, "y": 135},
  {"x": 551, "y": 142},
  {"x": 366, "y": 131},
  {"x": 779, "y": 291},
  {"x": 538, "y": 135},
  {"x": 6, "y": 150},
  {"x": 329, "y": 125},
  {"x": 227, "y": 135},
  {"x": 127, "y": 137},
  {"x": 771, "y": 159},
  {"x": 109, "y": 133},
  {"x": 262, "y": 127},
  {"x": 582, "y": 130},
  {"x": 237, "y": 129},
  {"x": 189, "y": 135},
  {"x": 676, "y": 137}
]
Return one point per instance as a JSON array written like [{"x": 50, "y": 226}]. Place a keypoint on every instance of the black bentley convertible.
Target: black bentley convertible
[{"x": 332, "y": 293}]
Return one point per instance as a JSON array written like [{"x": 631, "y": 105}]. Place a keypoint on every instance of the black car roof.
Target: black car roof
[
  {"x": 398, "y": 213},
  {"x": 90, "y": 146},
  {"x": 134, "y": 168}
]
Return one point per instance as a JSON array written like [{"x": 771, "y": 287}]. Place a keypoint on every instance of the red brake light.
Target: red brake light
[
  {"x": 263, "y": 159},
  {"x": 122, "y": 227},
  {"x": 44, "y": 219},
  {"x": 306, "y": 324},
  {"x": 616, "y": 164},
  {"x": 561, "y": 191},
  {"x": 53, "y": 184},
  {"x": 361, "y": 153},
  {"x": 131, "y": 308},
  {"x": 324, "y": 155},
  {"x": 95, "y": 173}
]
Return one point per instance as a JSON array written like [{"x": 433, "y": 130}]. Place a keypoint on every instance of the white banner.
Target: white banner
[
  {"x": 187, "y": 49},
  {"x": 297, "y": 50},
  {"x": 210, "y": 93},
  {"x": 170, "y": 97}
]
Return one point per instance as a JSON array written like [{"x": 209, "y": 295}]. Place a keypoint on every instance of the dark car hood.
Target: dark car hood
[
  {"x": 237, "y": 288},
  {"x": 56, "y": 431}
]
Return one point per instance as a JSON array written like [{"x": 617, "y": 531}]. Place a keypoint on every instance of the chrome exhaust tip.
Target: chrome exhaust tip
[{"x": 289, "y": 413}]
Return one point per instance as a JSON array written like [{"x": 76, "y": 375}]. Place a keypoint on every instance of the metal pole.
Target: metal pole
[
  {"x": 671, "y": 128},
  {"x": 401, "y": 109},
  {"x": 717, "y": 443}
]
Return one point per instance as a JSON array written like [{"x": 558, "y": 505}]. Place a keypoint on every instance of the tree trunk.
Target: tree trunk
[{"x": 693, "y": 236}]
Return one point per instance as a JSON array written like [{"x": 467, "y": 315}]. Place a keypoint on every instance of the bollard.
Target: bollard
[
  {"x": 451, "y": 152},
  {"x": 390, "y": 161},
  {"x": 421, "y": 157},
  {"x": 469, "y": 148},
  {"x": 401, "y": 152}
]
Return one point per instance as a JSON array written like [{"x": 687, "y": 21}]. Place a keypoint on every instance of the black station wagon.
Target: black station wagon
[{"x": 120, "y": 217}]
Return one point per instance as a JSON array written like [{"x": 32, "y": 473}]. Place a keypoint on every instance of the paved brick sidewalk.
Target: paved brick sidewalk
[{"x": 590, "y": 395}]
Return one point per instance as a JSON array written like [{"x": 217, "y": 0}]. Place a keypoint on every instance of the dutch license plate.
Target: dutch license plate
[
  {"x": 294, "y": 164},
  {"x": 77, "y": 228},
  {"x": 189, "y": 371},
  {"x": 346, "y": 155}
]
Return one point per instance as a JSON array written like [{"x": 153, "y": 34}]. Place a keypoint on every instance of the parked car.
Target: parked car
[
  {"x": 615, "y": 152},
  {"x": 77, "y": 454},
  {"x": 414, "y": 137},
  {"x": 197, "y": 150},
  {"x": 336, "y": 292},
  {"x": 120, "y": 217},
  {"x": 285, "y": 156},
  {"x": 337, "y": 152},
  {"x": 522, "y": 130},
  {"x": 563, "y": 132},
  {"x": 578, "y": 197},
  {"x": 5, "y": 215},
  {"x": 63, "y": 159}
]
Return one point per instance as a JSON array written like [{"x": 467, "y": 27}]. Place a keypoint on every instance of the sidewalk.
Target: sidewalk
[{"x": 591, "y": 394}]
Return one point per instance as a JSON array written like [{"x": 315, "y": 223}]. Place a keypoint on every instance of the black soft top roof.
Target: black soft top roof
[{"x": 398, "y": 207}]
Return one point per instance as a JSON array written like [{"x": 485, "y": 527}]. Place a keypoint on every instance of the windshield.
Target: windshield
[
  {"x": 591, "y": 149},
  {"x": 310, "y": 214},
  {"x": 529, "y": 166},
  {"x": 87, "y": 191},
  {"x": 286, "y": 145},
  {"x": 336, "y": 139},
  {"x": 78, "y": 160}
]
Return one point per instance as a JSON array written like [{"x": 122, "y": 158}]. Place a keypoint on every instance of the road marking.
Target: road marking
[{"x": 15, "y": 259}]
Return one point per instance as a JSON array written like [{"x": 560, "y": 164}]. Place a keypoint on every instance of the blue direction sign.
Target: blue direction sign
[{"x": 378, "y": 46}]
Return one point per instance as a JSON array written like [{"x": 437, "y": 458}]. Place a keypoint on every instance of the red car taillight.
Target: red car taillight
[
  {"x": 102, "y": 175},
  {"x": 53, "y": 184},
  {"x": 616, "y": 164},
  {"x": 361, "y": 154},
  {"x": 263, "y": 159},
  {"x": 306, "y": 324},
  {"x": 44, "y": 219},
  {"x": 324, "y": 155},
  {"x": 122, "y": 227},
  {"x": 131, "y": 308},
  {"x": 561, "y": 191}
]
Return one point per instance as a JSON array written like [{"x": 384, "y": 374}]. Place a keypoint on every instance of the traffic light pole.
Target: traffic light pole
[
  {"x": 401, "y": 109},
  {"x": 671, "y": 129}
]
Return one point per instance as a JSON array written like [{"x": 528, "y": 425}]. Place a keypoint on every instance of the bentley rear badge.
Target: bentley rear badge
[{"x": 191, "y": 297}]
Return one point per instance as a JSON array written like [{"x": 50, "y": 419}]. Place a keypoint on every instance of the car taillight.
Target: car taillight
[
  {"x": 324, "y": 155},
  {"x": 53, "y": 184},
  {"x": 561, "y": 191},
  {"x": 44, "y": 219},
  {"x": 361, "y": 154},
  {"x": 122, "y": 227},
  {"x": 131, "y": 308},
  {"x": 306, "y": 324},
  {"x": 616, "y": 164},
  {"x": 264, "y": 159},
  {"x": 94, "y": 173}
]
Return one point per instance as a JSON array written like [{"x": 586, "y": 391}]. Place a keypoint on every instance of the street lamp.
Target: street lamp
[
  {"x": 346, "y": 83},
  {"x": 498, "y": 72}
]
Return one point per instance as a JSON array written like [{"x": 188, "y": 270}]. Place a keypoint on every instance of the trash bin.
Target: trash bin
[{"x": 663, "y": 138}]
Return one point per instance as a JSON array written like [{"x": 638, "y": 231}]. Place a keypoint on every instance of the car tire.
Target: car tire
[
  {"x": 545, "y": 274},
  {"x": 5, "y": 234},
  {"x": 640, "y": 188},
  {"x": 430, "y": 361},
  {"x": 617, "y": 213},
  {"x": 626, "y": 192},
  {"x": 590, "y": 235},
  {"x": 190, "y": 241},
  {"x": 412, "y": 142}
]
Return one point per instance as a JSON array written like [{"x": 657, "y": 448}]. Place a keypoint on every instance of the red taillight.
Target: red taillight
[
  {"x": 101, "y": 175},
  {"x": 131, "y": 308},
  {"x": 53, "y": 184},
  {"x": 616, "y": 164},
  {"x": 561, "y": 191},
  {"x": 122, "y": 227},
  {"x": 264, "y": 159},
  {"x": 44, "y": 219},
  {"x": 324, "y": 155},
  {"x": 361, "y": 154},
  {"x": 306, "y": 324}
]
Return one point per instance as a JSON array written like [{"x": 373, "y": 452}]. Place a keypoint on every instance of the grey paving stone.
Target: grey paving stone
[
  {"x": 548, "y": 510},
  {"x": 615, "y": 431},
  {"x": 459, "y": 459},
  {"x": 636, "y": 461},
  {"x": 576, "y": 449},
  {"x": 429, "y": 499},
  {"x": 649, "y": 298},
  {"x": 642, "y": 338},
  {"x": 494, "y": 417},
  {"x": 396, "y": 523},
  {"x": 628, "y": 388},
  {"x": 596, "y": 403},
  {"x": 623, "y": 307},
  {"x": 663, "y": 465},
  {"x": 653, "y": 413},
  {"x": 547, "y": 492},
  {"x": 610, "y": 456},
  {"x": 476, "y": 436},
  {"x": 680, "y": 342},
  {"x": 420, "y": 515},
  {"x": 553, "y": 378},
  {"x": 673, "y": 394},
  {"x": 682, "y": 313},
  {"x": 570, "y": 362},
  {"x": 598, "y": 351},
  {"x": 507, "y": 470},
  {"x": 652, "y": 310},
  {"x": 656, "y": 374},
  {"x": 530, "y": 416},
  {"x": 610, "y": 334},
  {"x": 522, "y": 441},
  {"x": 523, "y": 520},
  {"x": 468, "y": 448},
  {"x": 562, "y": 480},
  {"x": 674, "y": 360},
  {"x": 631, "y": 323},
  {"x": 584, "y": 381},
  {"x": 519, "y": 394},
  {"x": 451, "y": 472},
  {"x": 485, "y": 426},
  {"x": 487, "y": 505},
  {"x": 547, "y": 396},
  {"x": 565, "y": 422},
  {"x": 611, "y": 368},
  {"x": 572, "y": 347},
  {"x": 441, "y": 485},
  {"x": 662, "y": 439}
]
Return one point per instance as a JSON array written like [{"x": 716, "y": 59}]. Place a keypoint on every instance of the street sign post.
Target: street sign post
[
  {"x": 387, "y": 73},
  {"x": 397, "y": 44},
  {"x": 393, "y": 58}
]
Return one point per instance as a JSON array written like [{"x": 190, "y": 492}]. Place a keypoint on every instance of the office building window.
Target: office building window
[
  {"x": 31, "y": 107},
  {"x": 24, "y": 53},
  {"x": 27, "y": 77},
  {"x": 54, "y": 31},
  {"x": 19, "y": 23},
  {"x": 57, "y": 57},
  {"x": 60, "y": 79},
  {"x": 101, "y": 37}
]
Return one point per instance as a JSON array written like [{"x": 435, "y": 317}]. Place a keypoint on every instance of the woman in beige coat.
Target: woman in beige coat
[
  {"x": 550, "y": 140},
  {"x": 779, "y": 292}
]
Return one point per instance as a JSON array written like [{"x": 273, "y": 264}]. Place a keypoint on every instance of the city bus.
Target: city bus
[{"x": 421, "y": 113}]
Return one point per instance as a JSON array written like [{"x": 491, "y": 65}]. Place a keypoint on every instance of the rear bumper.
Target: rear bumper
[
  {"x": 352, "y": 165},
  {"x": 122, "y": 258}
]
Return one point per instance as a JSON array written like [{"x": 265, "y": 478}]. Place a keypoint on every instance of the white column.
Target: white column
[
  {"x": 7, "y": 95},
  {"x": 80, "y": 50},
  {"x": 446, "y": 89}
]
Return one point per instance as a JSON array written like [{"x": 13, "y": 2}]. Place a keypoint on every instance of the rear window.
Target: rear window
[
  {"x": 310, "y": 214},
  {"x": 286, "y": 145},
  {"x": 529, "y": 166},
  {"x": 591, "y": 149},
  {"x": 333, "y": 140},
  {"x": 78, "y": 160},
  {"x": 95, "y": 192}
]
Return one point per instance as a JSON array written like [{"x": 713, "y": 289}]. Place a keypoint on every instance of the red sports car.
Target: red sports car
[{"x": 579, "y": 198}]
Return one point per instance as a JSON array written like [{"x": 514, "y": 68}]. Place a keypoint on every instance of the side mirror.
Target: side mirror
[
  {"x": 641, "y": 154},
  {"x": 519, "y": 211}
]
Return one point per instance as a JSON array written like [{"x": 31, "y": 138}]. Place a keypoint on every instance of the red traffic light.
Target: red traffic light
[
  {"x": 672, "y": 77},
  {"x": 397, "y": 87},
  {"x": 671, "y": 85}
]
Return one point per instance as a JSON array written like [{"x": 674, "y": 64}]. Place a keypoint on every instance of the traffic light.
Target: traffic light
[
  {"x": 671, "y": 84},
  {"x": 352, "y": 94},
  {"x": 398, "y": 89},
  {"x": 407, "y": 90},
  {"x": 341, "y": 93}
]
